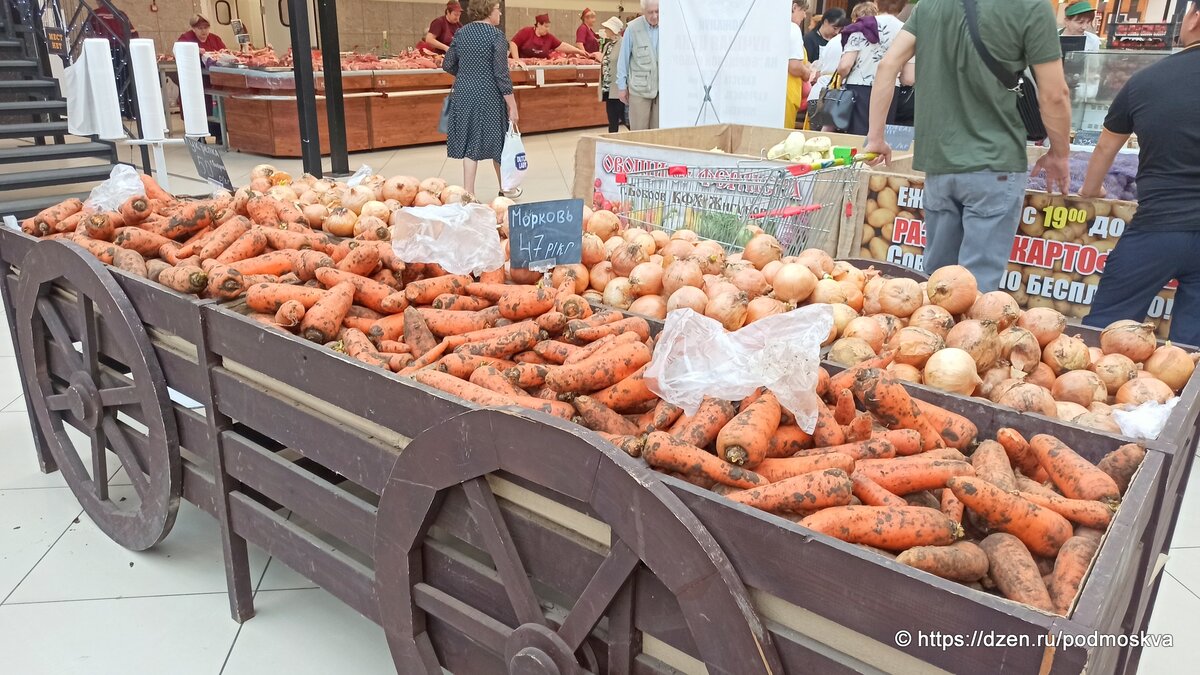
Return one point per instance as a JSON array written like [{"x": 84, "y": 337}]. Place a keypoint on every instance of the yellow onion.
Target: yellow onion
[
  {"x": 1069, "y": 412},
  {"x": 762, "y": 307},
  {"x": 997, "y": 306},
  {"x": 793, "y": 282},
  {"x": 600, "y": 274},
  {"x": 1098, "y": 421},
  {"x": 1080, "y": 386},
  {"x": 646, "y": 279},
  {"x": 1020, "y": 348},
  {"x": 679, "y": 274},
  {"x": 952, "y": 288},
  {"x": 576, "y": 273},
  {"x": 710, "y": 256},
  {"x": 627, "y": 257},
  {"x": 592, "y": 249},
  {"x": 1172, "y": 365},
  {"x": 1114, "y": 370},
  {"x": 979, "y": 339},
  {"x": 762, "y": 249},
  {"x": 842, "y": 316},
  {"x": 900, "y": 297},
  {"x": 1027, "y": 397},
  {"x": 889, "y": 323},
  {"x": 826, "y": 291},
  {"x": 932, "y": 318},
  {"x": 868, "y": 329},
  {"x": 687, "y": 296},
  {"x": 849, "y": 351},
  {"x": 619, "y": 293},
  {"x": 650, "y": 305},
  {"x": 952, "y": 370},
  {"x": 1065, "y": 353},
  {"x": 1042, "y": 376},
  {"x": 604, "y": 224},
  {"x": 1133, "y": 339},
  {"x": 750, "y": 281},
  {"x": 914, "y": 346},
  {"x": 730, "y": 309},
  {"x": 903, "y": 371},
  {"x": 817, "y": 261},
  {"x": 1142, "y": 389}
]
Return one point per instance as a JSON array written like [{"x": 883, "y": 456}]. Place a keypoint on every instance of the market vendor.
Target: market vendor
[
  {"x": 442, "y": 29},
  {"x": 201, "y": 33},
  {"x": 537, "y": 42},
  {"x": 1077, "y": 19},
  {"x": 585, "y": 36},
  {"x": 1163, "y": 240}
]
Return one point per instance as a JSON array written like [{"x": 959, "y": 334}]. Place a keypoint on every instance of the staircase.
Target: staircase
[{"x": 41, "y": 164}]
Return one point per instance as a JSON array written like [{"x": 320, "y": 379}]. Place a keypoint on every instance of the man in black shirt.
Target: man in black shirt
[
  {"x": 831, "y": 24},
  {"x": 1160, "y": 105}
]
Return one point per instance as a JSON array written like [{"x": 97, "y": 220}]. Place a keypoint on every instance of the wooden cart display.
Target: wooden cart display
[{"x": 550, "y": 551}]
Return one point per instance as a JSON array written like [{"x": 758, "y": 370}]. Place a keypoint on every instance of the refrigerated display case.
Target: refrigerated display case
[{"x": 1096, "y": 77}]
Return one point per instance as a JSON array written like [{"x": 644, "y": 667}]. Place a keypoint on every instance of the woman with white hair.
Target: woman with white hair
[
  {"x": 610, "y": 33},
  {"x": 637, "y": 68}
]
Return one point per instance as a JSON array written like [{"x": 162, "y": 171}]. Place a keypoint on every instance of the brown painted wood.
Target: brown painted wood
[{"x": 406, "y": 120}]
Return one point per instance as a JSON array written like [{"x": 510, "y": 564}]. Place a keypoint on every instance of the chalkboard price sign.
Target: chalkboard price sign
[
  {"x": 544, "y": 234},
  {"x": 899, "y": 137},
  {"x": 209, "y": 164},
  {"x": 1086, "y": 138}
]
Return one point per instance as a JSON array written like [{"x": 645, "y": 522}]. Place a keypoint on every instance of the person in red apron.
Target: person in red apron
[
  {"x": 537, "y": 42},
  {"x": 585, "y": 36},
  {"x": 442, "y": 29}
]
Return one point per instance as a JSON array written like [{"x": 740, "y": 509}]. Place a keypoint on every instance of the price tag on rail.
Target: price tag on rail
[
  {"x": 544, "y": 234},
  {"x": 209, "y": 164}
]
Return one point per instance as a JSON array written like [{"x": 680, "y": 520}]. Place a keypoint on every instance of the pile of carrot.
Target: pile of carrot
[{"x": 881, "y": 469}]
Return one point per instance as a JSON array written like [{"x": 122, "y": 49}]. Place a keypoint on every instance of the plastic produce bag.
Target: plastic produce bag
[
  {"x": 696, "y": 357},
  {"x": 513, "y": 163},
  {"x": 462, "y": 238},
  {"x": 123, "y": 182},
  {"x": 364, "y": 172},
  {"x": 1145, "y": 421}
]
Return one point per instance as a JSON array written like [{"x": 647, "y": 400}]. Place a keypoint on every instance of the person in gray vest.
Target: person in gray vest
[{"x": 637, "y": 68}]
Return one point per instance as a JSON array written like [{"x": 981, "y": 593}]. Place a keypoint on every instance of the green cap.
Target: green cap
[{"x": 1077, "y": 8}]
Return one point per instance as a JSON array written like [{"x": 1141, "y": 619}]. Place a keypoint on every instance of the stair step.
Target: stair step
[
  {"x": 42, "y": 153},
  {"x": 33, "y": 129},
  {"x": 17, "y": 64},
  {"x": 27, "y": 85},
  {"x": 63, "y": 176},
  {"x": 33, "y": 107},
  {"x": 24, "y": 208}
]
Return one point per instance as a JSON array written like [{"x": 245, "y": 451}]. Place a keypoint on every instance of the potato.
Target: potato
[
  {"x": 888, "y": 230},
  {"x": 868, "y": 233},
  {"x": 1052, "y": 234},
  {"x": 872, "y": 204},
  {"x": 1124, "y": 210},
  {"x": 876, "y": 182},
  {"x": 1102, "y": 207},
  {"x": 1034, "y": 229},
  {"x": 1020, "y": 296},
  {"x": 878, "y": 248},
  {"x": 1038, "y": 200},
  {"x": 864, "y": 252},
  {"x": 1064, "y": 307},
  {"x": 1075, "y": 231},
  {"x": 1104, "y": 245},
  {"x": 1086, "y": 205},
  {"x": 1039, "y": 301},
  {"x": 887, "y": 199},
  {"x": 1078, "y": 311},
  {"x": 897, "y": 182},
  {"x": 881, "y": 216},
  {"x": 1058, "y": 200},
  {"x": 1163, "y": 331},
  {"x": 1091, "y": 279}
]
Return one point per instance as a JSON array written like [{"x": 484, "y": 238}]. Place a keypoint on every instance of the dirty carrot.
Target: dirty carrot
[
  {"x": 806, "y": 492},
  {"x": 290, "y": 314},
  {"x": 891, "y": 528},
  {"x": 844, "y": 411},
  {"x": 957, "y": 431},
  {"x": 102, "y": 226},
  {"x": 189, "y": 220},
  {"x": 275, "y": 262},
  {"x": 1070, "y": 567},
  {"x": 630, "y": 445},
  {"x": 667, "y": 452},
  {"x": 891, "y": 403},
  {"x": 294, "y": 240},
  {"x": 307, "y": 262},
  {"x": 1076, "y": 477},
  {"x": 388, "y": 278},
  {"x": 904, "y": 475},
  {"x": 526, "y": 302},
  {"x": 827, "y": 432},
  {"x": 361, "y": 261},
  {"x": 462, "y": 303},
  {"x": 526, "y": 375},
  {"x": 249, "y": 245},
  {"x": 951, "y": 506},
  {"x": 506, "y": 345},
  {"x": 394, "y": 347},
  {"x": 777, "y": 469},
  {"x": 990, "y": 462},
  {"x": 1019, "y": 454},
  {"x": 146, "y": 243},
  {"x": 424, "y": 291},
  {"x": 872, "y": 494},
  {"x": 871, "y": 449},
  {"x": 489, "y": 377},
  {"x": 445, "y": 322},
  {"x": 1082, "y": 511},
  {"x": 135, "y": 209},
  {"x": 702, "y": 428},
  {"x": 153, "y": 190},
  {"x": 845, "y": 379},
  {"x": 552, "y": 322},
  {"x": 415, "y": 331},
  {"x": 322, "y": 320},
  {"x": 223, "y": 237},
  {"x": 1014, "y": 572},
  {"x": 961, "y": 561},
  {"x": 269, "y": 298},
  {"x": 155, "y": 267},
  {"x": 745, "y": 438},
  {"x": 184, "y": 279},
  {"x": 130, "y": 261},
  {"x": 635, "y": 324},
  {"x": 1122, "y": 463},
  {"x": 1039, "y": 528},
  {"x": 554, "y": 351},
  {"x": 476, "y": 394},
  {"x": 907, "y": 441},
  {"x": 261, "y": 210},
  {"x": 462, "y": 365},
  {"x": 601, "y": 370},
  {"x": 660, "y": 418},
  {"x": 860, "y": 428},
  {"x": 599, "y": 417}
]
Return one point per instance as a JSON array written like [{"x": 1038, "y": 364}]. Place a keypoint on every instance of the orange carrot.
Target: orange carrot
[
  {"x": 394, "y": 347},
  {"x": 827, "y": 432},
  {"x": 135, "y": 209},
  {"x": 844, "y": 412},
  {"x": 906, "y": 441},
  {"x": 845, "y": 379},
  {"x": 307, "y": 262},
  {"x": 521, "y": 339},
  {"x": 361, "y": 261},
  {"x": 660, "y": 418},
  {"x": 269, "y": 298},
  {"x": 1082, "y": 511},
  {"x": 462, "y": 303},
  {"x": 806, "y": 492},
  {"x": 495, "y": 276},
  {"x": 1014, "y": 572},
  {"x": 1017, "y": 449},
  {"x": 462, "y": 365},
  {"x": 526, "y": 302},
  {"x": 861, "y": 426},
  {"x": 888, "y": 401},
  {"x": 102, "y": 226},
  {"x": 416, "y": 333},
  {"x": 188, "y": 279},
  {"x": 249, "y": 245},
  {"x": 190, "y": 219},
  {"x": 45, "y": 221},
  {"x": 388, "y": 278},
  {"x": 368, "y": 293},
  {"x": 945, "y": 453},
  {"x": 1070, "y": 566},
  {"x": 261, "y": 210},
  {"x": 527, "y": 375},
  {"x": 745, "y": 438},
  {"x": 957, "y": 431},
  {"x": 290, "y": 314},
  {"x": 631, "y": 445},
  {"x": 777, "y": 469},
  {"x": 1076, "y": 477},
  {"x": 322, "y": 320},
  {"x": 155, "y": 267},
  {"x": 146, "y": 243},
  {"x": 275, "y": 262},
  {"x": 951, "y": 506},
  {"x": 130, "y": 261},
  {"x": 872, "y": 494},
  {"x": 552, "y": 322},
  {"x": 489, "y": 377},
  {"x": 892, "y": 528},
  {"x": 425, "y": 291},
  {"x": 489, "y": 291},
  {"x": 904, "y": 475},
  {"x": 962, "y": 561},
  {"x": 103, "y": 250},
  {"x": 702, "y": 428},
  {"x": 600, "y": 371},
  {"x": 554, "y": 351},
  {"x": 634, "y": 323},
  {"x": 1039, "y": 528},
  {"x": 445, "y": 322},
  {"x": 599, "y": 417},
  {"x": 667, "y": 452},
  {"x": 223, "y": 237},
  {"x": 477, "y": 394},
  {"x": 224, "y": 282},
  {"x": 991, "y": 464},
  {"x": 1122, "y": 463},
  {"x": 153, "y": 190},
  {"x": 294, "y": 240},
  {"x": 788, "y": 440}
]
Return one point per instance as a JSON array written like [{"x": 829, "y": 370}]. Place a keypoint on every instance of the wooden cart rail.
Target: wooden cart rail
[{"x": 441, "y": 521}]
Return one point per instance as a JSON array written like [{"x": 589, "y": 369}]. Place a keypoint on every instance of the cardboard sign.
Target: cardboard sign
[
  {"x": 899, "y": 137},
  {"x": 209, "y": 164},
  {"x": 544, "y": 234}
]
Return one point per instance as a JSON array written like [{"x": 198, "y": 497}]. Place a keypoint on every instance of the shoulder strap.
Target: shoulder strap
[{"x": 1009, "y": 79}]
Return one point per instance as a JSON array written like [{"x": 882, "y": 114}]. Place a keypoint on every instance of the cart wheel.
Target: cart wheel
[
  {"x": 650, "y": 527},
  {"x": 89, "y": 398}
]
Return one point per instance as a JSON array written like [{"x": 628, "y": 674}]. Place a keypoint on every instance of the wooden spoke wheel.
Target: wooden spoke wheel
[
  {"x": 87, "y": 389},
  {"x": 650, "y": 530}
]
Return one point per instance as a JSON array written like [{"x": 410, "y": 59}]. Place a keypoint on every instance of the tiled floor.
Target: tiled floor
[{"x": 74, "y": 603}]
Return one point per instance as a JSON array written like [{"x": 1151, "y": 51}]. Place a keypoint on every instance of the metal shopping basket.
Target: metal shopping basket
[{"x": 798, "y": 203}]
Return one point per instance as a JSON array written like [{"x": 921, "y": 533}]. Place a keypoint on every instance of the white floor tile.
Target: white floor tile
[
  {"x": 1175, "y": 610},
  {"x": 182, "y": 635},
  {"x": 1187, "y": 529},
  {"x": 30, "y": 522},
  {"x": 18, "y": 460},
  {"x": 17, "y": 405},
  {"x": 86, "y": 564},
  {"x": 280, "y": 577},
  {"x": 10, "y": 379},
  {"x": 1184, "y": 565},
  {"x": 308, "y": 632}
]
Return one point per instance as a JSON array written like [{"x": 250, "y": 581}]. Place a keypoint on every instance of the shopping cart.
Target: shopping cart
[{"x": 795, "y": 203}]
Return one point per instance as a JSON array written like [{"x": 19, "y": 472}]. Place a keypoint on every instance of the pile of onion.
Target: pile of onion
[{"x": 952, "y": 370}]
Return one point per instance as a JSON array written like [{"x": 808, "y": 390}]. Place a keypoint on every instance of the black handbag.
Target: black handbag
[
  {"x": 836, "y": 106},
  {"x": 1025, "y": 89}
]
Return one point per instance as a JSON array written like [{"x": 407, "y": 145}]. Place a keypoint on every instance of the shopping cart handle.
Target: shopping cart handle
[
  {"x": 787, "y": 212},
  {"x": 621, "y": 178}
]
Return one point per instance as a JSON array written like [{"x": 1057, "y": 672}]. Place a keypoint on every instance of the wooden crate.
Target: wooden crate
[
  {"x": 270, "y": 125},
  {"x": 406, "y": 119}
]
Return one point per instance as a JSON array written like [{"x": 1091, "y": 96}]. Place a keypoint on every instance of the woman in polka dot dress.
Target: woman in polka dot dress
[{"x": 482, "y": 103}]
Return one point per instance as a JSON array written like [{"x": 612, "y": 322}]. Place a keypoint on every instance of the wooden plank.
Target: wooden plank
[
  {"x": 405, "y": 121},
  {"x": 329, "y": 568},
  {"x": 323, "y": 504},
  {"x": 161, "y": 307}
]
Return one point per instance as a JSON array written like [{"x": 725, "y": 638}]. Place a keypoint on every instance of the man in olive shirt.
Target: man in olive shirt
[{"x": 969, "y": 138}]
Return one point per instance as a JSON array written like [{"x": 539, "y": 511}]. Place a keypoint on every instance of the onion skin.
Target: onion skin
[
  {"x": 714, "y": 288},
  {"x": 1065, "y": 353},
  {"x": 1143, "y": 389},
  {"x": 1133, "y": 339},
  {"x": 1114, "y": 370},
  {"x": 627, "y": 257},
  {"x": 850, "y": 351},
  {"x": 762, "y": 249},
  {"x": 751, "y": 282},
  {"x": 842, "y": 316},
  {"x": 619, "y": 293},
  {"x": 651, "y": 305},
  {"x": 710, "y": 257},
  {"x": 903, "y": 371},
  {"x": 1020, "y": 348},
  {"x": 952, "y": 288},
  {"x": 1082, "y": 387},
  {"x": 868, "y": 330},
  {"x": 1044, "y": 323},
  {"x": 679, "y": 274},
  {"x": 1042, "y": 376},
  {"x": 1172, "y": 365},
  {"x": 889, "y": 323},
  {"x": 677, "y": 249},
  {"x": 340, "y": 222},
  {"x": 1099, "y": 422},
  {"x": 688, "y": 296},
  {"x": 577, "y": 273},
  {"x": 593, "y": 249},
  {"x": 793, "y": 282},
  {"x": 601, "y": 273},
  {"x": 729, "y": 309},
  {"x": 1069, "y": 412},
  {"x": 827, "y": 291},
  {"x": 762, "y": 307},
  {"x": 914, "y": 346},
  {"x": 900, "y": 297},
  {"x": 1027, "y": 397},
  {"x": 979, "y": 339},
  {"x": 647, "y": 279},
  {"x": 992, "y": 378},
  {"x": 817, "y": 261},
  {"x": 932, "y": 318},
  {"x": 952, "y": 370},
  {"x": 603, "y": 224},
  {"x": 997, "y": 306}
]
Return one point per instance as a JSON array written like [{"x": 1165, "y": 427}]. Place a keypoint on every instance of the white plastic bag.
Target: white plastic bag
[
  {"x": 462, "y": 238},
  {"x": 123, "y": 182},
  {"x": 1145, "y": 421},
  {"x": 364, "y": 172},
  {"x": 513, "y": 163},
  {"x": 696, "y": 357}
]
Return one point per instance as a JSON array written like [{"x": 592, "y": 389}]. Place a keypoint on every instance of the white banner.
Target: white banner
[{"x": 723, "y": 62}]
